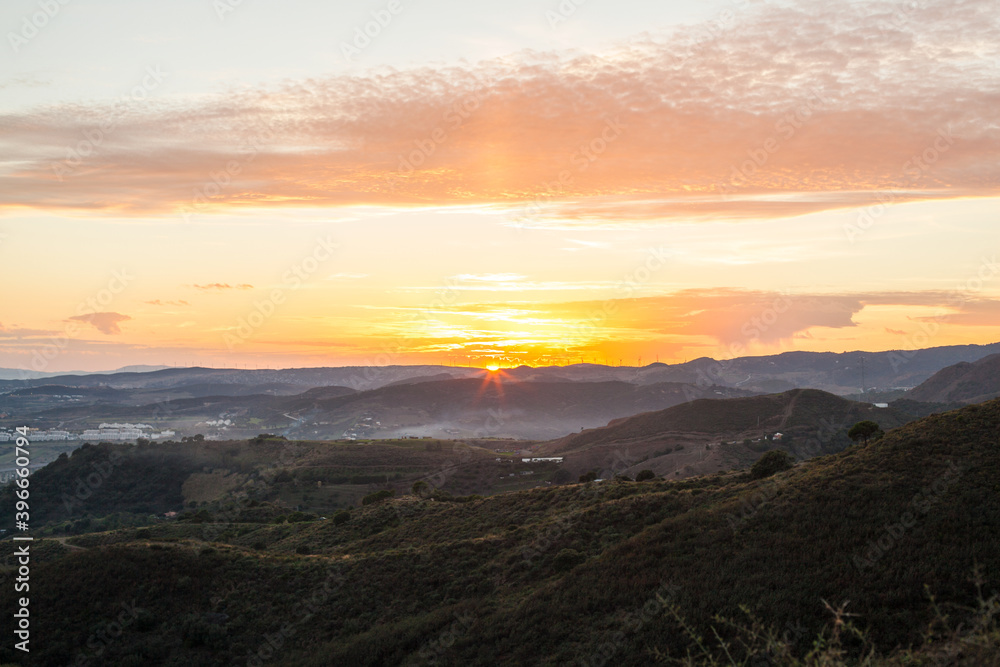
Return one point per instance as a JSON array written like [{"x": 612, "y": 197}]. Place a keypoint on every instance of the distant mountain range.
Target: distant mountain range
[
  {"x": 452, "y": 402},
  {"x": 463, "y": 408},
  {"x": 837, "y": 373}
]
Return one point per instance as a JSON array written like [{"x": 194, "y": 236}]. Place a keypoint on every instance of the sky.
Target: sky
[{"x": 241, "y": 183}]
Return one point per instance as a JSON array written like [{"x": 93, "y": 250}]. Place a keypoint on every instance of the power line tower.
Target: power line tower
[{"x": 864, "y": 391}]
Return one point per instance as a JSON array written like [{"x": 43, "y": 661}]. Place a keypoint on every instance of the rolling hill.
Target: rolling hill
[
  {"x": 618, "y": 573},
  {"x": 492, "y": 406},
  {"x": 962, "y": 383},
  {"x": 706, "y": 436}
]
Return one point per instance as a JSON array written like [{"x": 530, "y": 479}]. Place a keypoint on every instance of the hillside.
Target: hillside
[
  {"x": 706, "y": 436},
  {"x": 962, "y": 383},
  {"x": 594, "y": 573},
  {"x": 492, "y": 406}
]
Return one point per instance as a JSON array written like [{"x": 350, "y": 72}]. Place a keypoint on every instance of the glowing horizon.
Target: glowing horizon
[{"x": 740, "y": 178}]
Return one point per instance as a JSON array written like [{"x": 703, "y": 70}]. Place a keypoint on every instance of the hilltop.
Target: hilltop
[
  {"x": 962, "y": 383},
  {"x": 706, "y": 436}
]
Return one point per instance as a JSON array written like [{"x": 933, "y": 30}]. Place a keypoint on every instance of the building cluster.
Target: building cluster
[{"x": 104, "y": 433}]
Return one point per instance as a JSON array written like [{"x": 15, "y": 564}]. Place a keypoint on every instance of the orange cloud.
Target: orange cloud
[
  {"x": 106, "y": 323},
  {"x": 848, "y": 101},
  {"x": 158, "y": 302}
]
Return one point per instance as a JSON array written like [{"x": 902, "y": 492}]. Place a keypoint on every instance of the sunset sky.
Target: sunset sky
[{"x": 252, "y": 183}]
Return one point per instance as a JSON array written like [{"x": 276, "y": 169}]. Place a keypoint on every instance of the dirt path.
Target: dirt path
[{"x": 71, "y": 547}]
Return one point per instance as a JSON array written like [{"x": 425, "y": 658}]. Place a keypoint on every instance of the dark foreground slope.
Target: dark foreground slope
[{"x": 598, "y": 573}]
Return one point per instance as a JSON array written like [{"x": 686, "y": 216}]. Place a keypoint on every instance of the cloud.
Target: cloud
[
  {"x": 219, "y": 287},
  {"x": 788, "y": 109},
  {"x": 744, "y": 317},
  {"x": 158, "y": 302},
  {"x": 895, "y": 332},
  {"x": 106, "y": 323},
  {"x": 21, "y": 332}
]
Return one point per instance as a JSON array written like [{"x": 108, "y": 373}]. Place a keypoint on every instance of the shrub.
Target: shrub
[
  {"x": 567, "y": 559},
  {"x": 772, "y": 462},
  {"x": 377, "y": 497},
  {"x": 341, "y": 517},
  {"x": 644, "y": 475}
]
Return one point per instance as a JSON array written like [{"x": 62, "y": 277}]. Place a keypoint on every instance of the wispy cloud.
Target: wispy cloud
[
  {"x": 800, "y": 107},
  {"x": 106, "y": 323},
  {"x": 158, "y": 302},
  {"x": 221, "y": 287}
]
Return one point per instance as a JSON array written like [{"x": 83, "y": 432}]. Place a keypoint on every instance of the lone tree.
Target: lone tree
[
  {"x": 644, "y": 475},
  {"x": 865, "y": 431},
  {"x": 420, "y": 489},
  {"x": 774, "y": 461}
]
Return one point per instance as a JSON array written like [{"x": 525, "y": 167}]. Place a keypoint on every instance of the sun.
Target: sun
[{"x": 493, "y": 368}]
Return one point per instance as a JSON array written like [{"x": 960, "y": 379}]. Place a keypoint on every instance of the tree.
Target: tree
[
  {"x": 420, "y": 489},
  {"x": 865, "y": 431},
  {"x": 643, "y": 475},
  {"x": 589, "y": 477},
  {"x": 772, "y": 462}
]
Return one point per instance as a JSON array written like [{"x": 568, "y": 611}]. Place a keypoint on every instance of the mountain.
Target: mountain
[
  {"x": 838, "y": 373},
  {"x": 706, "y": 436},
  {"x": 620, "y": 573},
  {"x": 492, "y": 406},
  {"x": 962, "y": 383}
]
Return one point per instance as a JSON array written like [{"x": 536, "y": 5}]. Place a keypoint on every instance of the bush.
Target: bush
[
  {"x": 589, "y": 477},
  {"x": 341, "y": 517},
  {"x": 644, "y": 475},
  {"x": 772, "y": 462},
  {"x": 377, "y": 497},
  {"x": 567, "y": 559}
]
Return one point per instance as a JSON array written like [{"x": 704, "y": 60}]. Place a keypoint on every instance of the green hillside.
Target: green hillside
[{"x": 598, "y": 573}]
